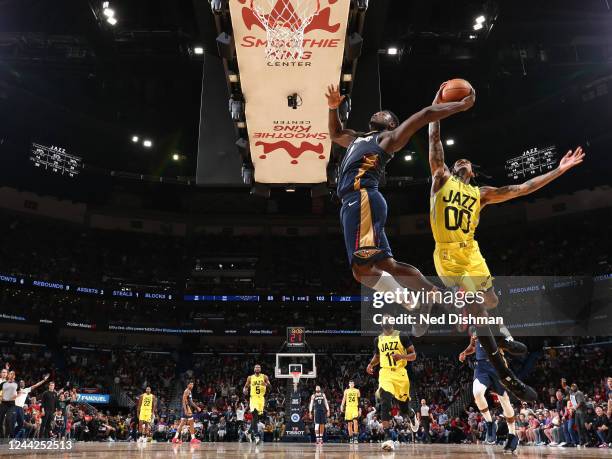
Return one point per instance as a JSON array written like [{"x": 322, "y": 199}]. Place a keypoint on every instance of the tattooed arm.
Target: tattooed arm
[{"x": 493, "y": 195}]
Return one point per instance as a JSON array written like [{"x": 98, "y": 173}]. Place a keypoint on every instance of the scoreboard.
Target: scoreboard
[
  {"x": 55, "y": 159},
  {"x": 295, "y": 336},
  {"x": 532, "y": 162}
]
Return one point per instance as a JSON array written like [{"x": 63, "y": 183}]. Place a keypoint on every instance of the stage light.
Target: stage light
[
  {"x": 135, "y": 138},
  {"x": 109, "y": 12},
  {"x": 198, "y": 50},
  {"x": 105, "y": 4},
  {"x": 176, "y": 156},
  {"x": 147, "y": 143},
  {"x": 480, "y": 19},
  {"x": 450, "y": 142},
  {"x": 112, "y": 21},
  {"x": 408, "y": 157},
  {"x": 290, "y": 189},
  {"x": 392, "y": 51},
  {"x": 478, "y": 26},
  {"x": 472, "y": 37}
]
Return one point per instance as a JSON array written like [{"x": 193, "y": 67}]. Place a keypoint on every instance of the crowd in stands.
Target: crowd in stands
[
  {"x": 270, "y": 263},
  {"x": 574, "y": 406}
]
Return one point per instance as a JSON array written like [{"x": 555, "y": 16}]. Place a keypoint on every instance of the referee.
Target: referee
[{"x": 425, "y": 418}]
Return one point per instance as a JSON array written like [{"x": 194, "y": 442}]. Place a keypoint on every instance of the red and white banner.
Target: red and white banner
[{"x": 289, "y": 145}]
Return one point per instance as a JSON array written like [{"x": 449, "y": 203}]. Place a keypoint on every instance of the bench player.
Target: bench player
[
  {"x": 256, "y": 386},
  {"x": 350, "y": 407}
]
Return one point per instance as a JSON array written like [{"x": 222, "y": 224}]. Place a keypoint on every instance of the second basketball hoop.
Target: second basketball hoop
[{"x": 285, "y": 22}]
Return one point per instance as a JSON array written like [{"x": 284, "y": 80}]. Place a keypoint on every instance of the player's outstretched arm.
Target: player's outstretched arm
[
  {"x": 439, "y": 171},
  {"x": 338, "y": 134},
  {"x": 468, "y": 350},
  {"x": 396, "y": 139},
  {"x": 493, "y": 195}
]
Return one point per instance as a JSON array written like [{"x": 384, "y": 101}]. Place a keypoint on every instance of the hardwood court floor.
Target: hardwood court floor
[{"x": 298, "y": 450}]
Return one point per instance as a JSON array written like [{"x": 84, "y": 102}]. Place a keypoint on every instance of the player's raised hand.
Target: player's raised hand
[
  {"x": 470, "y": 100},
  {"x": 334, "y": 99},
  {"x": 438, "y": 98},
  {"x": 571, "y": 159}
]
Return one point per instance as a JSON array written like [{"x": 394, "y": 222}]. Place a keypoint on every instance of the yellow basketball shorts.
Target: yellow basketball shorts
[
  {"x": 461, "y": 264},
  {"x": 396, "y": 382},
  {"x": 145, "y": 416},
  {"x": 351, "y": 413},
  {"x": 257, "y": 403}
]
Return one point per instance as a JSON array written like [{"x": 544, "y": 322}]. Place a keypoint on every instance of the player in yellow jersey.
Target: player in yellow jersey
[
  {"x": 455, "y": 206},
  {"x": 256, "y": 386},
  {"x": 350, "y": 401},
  {"x": 392, "y": 352},
  {"x": 147, "y": 406}
]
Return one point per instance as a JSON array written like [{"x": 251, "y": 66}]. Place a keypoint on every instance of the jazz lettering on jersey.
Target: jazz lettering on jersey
[
  {"x": 389, "y": 346},
  {"x": 458, "y": 211}
]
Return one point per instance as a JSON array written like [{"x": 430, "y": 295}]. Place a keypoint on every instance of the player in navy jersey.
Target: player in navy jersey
[
  {"x": 486, "y": 377},
  {"x": 364, "y": 209}
]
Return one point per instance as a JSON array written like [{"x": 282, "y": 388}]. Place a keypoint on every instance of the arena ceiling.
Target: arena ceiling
[{"x": 68, "y": 77}]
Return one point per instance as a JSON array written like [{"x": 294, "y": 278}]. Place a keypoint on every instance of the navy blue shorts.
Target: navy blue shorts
[
  {"x": 487, "y": 375},
  {"x": 320, "y": 417},
  {"x": 363, "y": 215}
]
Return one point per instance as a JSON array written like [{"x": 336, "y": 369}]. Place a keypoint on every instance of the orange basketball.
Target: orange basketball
[{"x": 455, "y": 90}]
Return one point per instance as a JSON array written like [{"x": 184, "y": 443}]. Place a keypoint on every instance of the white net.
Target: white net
[{"x": 285, "y": 22}]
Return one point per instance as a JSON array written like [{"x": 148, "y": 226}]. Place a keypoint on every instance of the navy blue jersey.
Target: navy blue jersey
[
  {"x": 362, "y": 166},
  {"x": 481, "y": 354},
  {"x": 318, "y": 401}
]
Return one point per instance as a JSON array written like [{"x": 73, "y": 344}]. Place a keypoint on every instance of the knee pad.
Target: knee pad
[{"x": 386, "y": 402}]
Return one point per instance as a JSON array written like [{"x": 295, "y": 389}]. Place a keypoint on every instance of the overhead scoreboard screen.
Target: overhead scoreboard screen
[
  {"x": 55, "y": 159},
  {"x": 532, "y": 162}
]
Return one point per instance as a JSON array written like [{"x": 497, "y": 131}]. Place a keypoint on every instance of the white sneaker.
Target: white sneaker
[
  {"x": 388, "y": 445},
  {"x": 257, "y": 440},
  {"x": 553, "y": 444}
]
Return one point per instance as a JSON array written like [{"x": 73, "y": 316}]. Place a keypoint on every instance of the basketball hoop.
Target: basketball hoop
[
  {"x": 295, "y": 375},
  {"x": 285, "y": 22}
]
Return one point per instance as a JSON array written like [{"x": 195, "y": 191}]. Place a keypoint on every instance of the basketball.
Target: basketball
[{"x": 456, "y": 90}]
